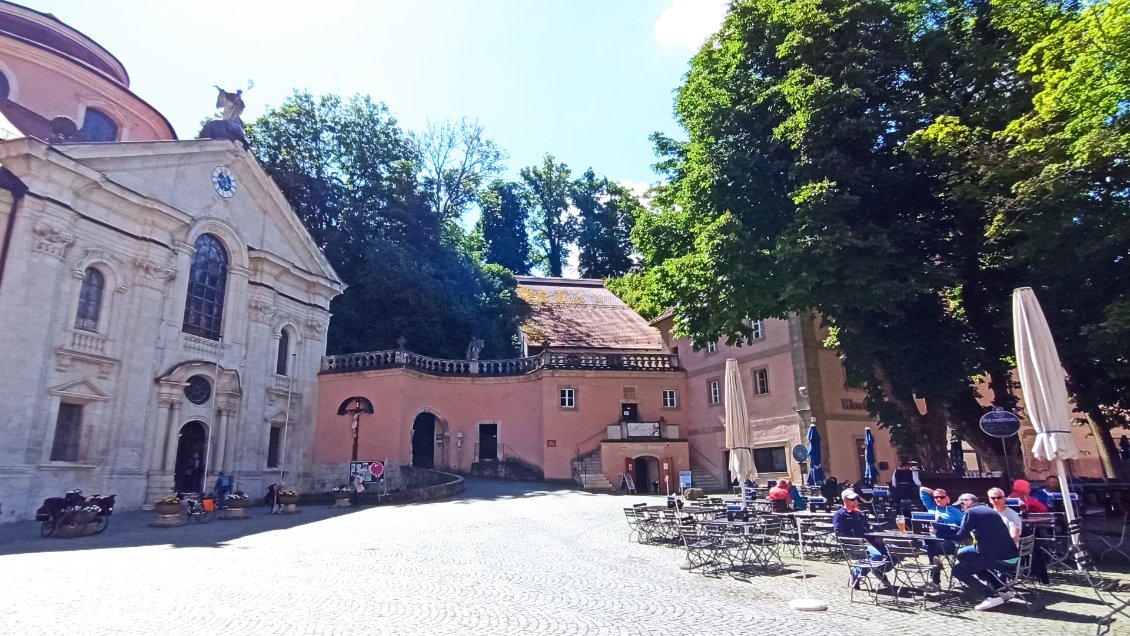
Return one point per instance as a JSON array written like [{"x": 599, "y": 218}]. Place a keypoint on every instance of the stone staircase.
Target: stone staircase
[
  {"x": 587, "y": 472},
  {"x": 703, "y": 478}
]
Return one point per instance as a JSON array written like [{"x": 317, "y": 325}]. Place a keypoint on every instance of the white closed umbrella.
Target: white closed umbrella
[
  {"x": 1044, "y": 388},
  {"x": 739, "y": 435}
]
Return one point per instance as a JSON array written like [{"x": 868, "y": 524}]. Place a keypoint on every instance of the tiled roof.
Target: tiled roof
[{"x": 582, "y": 314}]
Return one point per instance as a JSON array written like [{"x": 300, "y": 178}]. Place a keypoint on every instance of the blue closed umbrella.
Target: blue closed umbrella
[
  {"x": 815, "y": 474},
  {"x": 870, "y": 472}
]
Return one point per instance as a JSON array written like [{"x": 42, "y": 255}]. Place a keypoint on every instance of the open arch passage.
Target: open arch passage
[
  {"x": 423, "y": 440},
  {"x": 191, "y": 445}
]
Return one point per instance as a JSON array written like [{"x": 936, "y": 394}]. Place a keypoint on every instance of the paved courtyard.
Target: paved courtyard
[{"x": 504, "y": 558}]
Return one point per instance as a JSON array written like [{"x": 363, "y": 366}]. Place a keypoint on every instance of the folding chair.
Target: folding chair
[
  {"x": 857, "y": 557},
  {"x": 765, "y": 544},
  {"x": 703, "y": 548},
  {"x": 1115, "y": 546},
  {"x": 1018, "y": 579},
  {"x": 910, "y": 566}
]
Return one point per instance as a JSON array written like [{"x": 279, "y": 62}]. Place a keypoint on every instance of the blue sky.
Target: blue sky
[{"x": 584, "y": 80}]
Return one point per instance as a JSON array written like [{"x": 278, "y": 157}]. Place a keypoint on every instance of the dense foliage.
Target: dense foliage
[
  {"x": 898, "y": 167},
  {"x": 353, "y": 178}
]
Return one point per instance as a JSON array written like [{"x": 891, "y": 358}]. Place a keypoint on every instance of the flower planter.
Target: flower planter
[
  {"x": 289, "y": 503},
  {"x": 169, "y": 515},
  {"x": 237, "y": 509},
  {"x": 341, "y": 500}
]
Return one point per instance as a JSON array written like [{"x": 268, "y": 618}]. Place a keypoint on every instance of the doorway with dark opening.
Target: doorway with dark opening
[
  {"x": 647, "y": 474},
  {"x": 189, "y": 466},
  {"x": 488, "y": 442},
  {"x": 424, "y": 441}
]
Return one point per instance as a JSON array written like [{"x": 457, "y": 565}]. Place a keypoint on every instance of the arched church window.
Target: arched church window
[
  {"x": 97, "y": 126},
  {"x": 90, "y": 300},
  {"x": 207, "y": 282},
  {"x": 5, "y": 87},
  {"x": 284, "y": 353}
]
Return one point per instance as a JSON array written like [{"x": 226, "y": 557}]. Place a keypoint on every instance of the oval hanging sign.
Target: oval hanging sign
[
  {"x": 376, "y": 469},
  {"x": 800, "y": 453},
  {"x": 1000, "y": 423}
]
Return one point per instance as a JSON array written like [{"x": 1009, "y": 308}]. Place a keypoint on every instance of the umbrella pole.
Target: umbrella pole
[
  {"x": 806, "y": 604},
  {"x": 1068, "y": 508}
]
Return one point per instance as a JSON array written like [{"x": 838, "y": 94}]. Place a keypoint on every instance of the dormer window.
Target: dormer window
[{"x": 97, "y": 126}]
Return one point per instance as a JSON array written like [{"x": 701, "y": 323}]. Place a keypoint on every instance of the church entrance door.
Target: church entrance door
[{"x": 189, "y": 467}]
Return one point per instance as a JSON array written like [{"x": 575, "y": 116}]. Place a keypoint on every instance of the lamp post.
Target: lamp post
[{"x": 356, "y": 409}]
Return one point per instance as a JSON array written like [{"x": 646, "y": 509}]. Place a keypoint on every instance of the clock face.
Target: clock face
[{"x": 223, "y": 180}]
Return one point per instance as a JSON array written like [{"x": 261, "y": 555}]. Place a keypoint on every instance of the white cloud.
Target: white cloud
[{"x": 687, "y": 23}]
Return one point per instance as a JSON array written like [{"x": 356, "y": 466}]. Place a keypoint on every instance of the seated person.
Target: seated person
[
  {"x": 780, "y": 497},
  {"x": 994, "y": 550},
  {"x": 850, "y": 521},
  {"x": 1022, "y": 490},
  {"x": 1045, "y": 494},
  {"x": 938, "y": 502},
  {"x": 1008, "y": 515}
]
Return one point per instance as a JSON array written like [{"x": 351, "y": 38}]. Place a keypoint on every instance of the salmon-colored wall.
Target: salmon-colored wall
[
  {"x": 527, "y": 409},
  {"x": 614, "y": 455}
]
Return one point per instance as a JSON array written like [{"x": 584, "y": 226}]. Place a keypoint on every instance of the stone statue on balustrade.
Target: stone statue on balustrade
[{"x": 474, "y": 349}]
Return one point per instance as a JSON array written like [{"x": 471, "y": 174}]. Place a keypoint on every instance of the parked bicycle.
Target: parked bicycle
[
  {"x": 69, "y": 515},
  {"x": 198, "y": 507}
]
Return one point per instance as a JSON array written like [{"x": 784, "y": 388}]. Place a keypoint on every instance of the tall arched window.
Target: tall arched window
[
  {"x": 97, "y": 126},
  {"x": 204, "y": 305},
  {"x": 284, "y": 353},
  {"x": 90, "y": 300}
]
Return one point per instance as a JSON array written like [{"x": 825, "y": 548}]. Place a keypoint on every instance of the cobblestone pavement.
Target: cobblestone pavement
[{"x": 504, "y": 558}]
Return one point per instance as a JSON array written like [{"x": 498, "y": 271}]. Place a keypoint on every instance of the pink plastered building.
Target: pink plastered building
[{"x": 598, "y": 395}]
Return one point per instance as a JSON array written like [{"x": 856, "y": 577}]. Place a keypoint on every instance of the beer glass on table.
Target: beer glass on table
[{"x": 900, "y": 521}]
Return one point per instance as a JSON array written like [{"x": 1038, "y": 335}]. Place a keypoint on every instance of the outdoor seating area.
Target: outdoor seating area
[{"x": 719, "y": 536}]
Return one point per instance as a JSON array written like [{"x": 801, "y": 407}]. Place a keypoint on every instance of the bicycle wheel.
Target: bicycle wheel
[
  {"x": 48, "y": 527},
  {"x": 67, "y": 527},
  {"x": 204, "y": 516},
  {"x": 99, "y": 524}
]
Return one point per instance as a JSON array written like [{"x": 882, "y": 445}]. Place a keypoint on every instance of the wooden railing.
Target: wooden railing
[{"x": 587, "y": 360}]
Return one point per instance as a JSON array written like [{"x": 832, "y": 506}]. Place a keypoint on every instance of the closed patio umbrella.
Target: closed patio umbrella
[
  {"x": 739, "y": 436},
  {"x": 815, "y": 474},
  {"x": 870, "y": 472},
  {"x": 1044, "y": 388}
]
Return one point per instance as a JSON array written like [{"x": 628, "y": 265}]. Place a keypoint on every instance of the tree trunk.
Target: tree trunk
[{"x": 1108, "y": 451}]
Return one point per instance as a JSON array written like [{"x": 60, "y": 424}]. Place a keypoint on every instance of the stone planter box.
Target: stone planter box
[
  {"x": 289, "y": 503},
  {"x": 169, "y": 515},
  {"x": 341, "y": 500},
  {"x": 237, "y": 509}
]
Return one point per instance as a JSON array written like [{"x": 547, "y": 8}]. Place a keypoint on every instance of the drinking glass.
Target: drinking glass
[{"x": 900, "y": 521}]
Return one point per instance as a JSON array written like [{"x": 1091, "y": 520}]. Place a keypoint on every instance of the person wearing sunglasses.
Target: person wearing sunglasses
[
  {"x": 1010, "y": 517},
  {"x": 938, "y": 502},
  {"x": 995, "y": 550}
]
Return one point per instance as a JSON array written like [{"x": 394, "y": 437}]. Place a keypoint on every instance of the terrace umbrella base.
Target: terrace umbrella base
[{"x": 808, "y": 605}]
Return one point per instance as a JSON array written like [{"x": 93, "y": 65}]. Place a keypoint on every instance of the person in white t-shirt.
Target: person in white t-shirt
[{"x": 1011, "y": 518}]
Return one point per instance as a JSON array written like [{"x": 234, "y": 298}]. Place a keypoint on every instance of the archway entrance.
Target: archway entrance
[
  {"x": 189, "y": 467},
  {"x": 423, "y": 440},
  {"x": 647, "y": 472}
]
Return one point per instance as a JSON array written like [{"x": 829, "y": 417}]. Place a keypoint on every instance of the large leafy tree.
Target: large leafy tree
[
  {"x": 554, "y": 226},
  {"x": 456, "y": 159},
  {"x": 350, "y": 173},
  {"x": 504, "y": 213},
  {"x": 607, "y": 212},
  {"x": 797, "y": 191}
]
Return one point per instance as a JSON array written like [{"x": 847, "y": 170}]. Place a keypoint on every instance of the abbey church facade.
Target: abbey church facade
[{"x": 163, "y": 312}]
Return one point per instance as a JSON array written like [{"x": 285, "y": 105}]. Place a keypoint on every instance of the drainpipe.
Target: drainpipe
[{"x": 11, "y": 183}]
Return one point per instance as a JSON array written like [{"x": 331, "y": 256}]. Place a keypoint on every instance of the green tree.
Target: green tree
[
  {"x": 554, "y": 228},
  {"x": 796, "y": 191},
  {"x": 607, "y": 212},
  {"x": 502, "y": 226},
  {"x": 350, "y": 174},
  {"x": 457, "y": 158}
]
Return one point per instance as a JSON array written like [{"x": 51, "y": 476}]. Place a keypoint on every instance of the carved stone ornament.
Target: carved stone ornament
[
  {"x": 51, "y": 240},
  {"x": 316, "y": 328},
  {"x": 262, "y": 311},
  {"x": 152, "y": 273}
]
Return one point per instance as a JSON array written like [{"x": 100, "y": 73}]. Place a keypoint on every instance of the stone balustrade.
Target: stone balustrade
[{"x": 585, "y": 360}]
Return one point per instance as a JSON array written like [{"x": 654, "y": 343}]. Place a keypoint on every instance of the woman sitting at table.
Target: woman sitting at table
[
  {"x": 780, "y": 497},
  {"x": 1022, "y": 490}
]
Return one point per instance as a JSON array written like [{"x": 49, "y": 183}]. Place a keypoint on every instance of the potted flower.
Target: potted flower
[
  {"x": 289, "y": 501},
  {"x": 169, "y": 512},
  {"x": 237, "y": 503},
  {"x": 341, "y": 496}
]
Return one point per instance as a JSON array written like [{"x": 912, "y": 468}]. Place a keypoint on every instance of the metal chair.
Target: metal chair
[
  {"x": 1115, "y": 546},
  {"x": 859, "y": 562},
  {"x": 1018, "y": 579},
  {"x": 911, "y": 567}
]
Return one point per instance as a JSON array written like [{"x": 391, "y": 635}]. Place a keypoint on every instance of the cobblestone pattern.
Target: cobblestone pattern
[{"x": 503, "y": 558}]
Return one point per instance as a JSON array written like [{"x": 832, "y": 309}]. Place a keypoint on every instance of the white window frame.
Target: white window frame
[
  {"x": 712, "y": 347},
  {"x": 567, "y": 397},
  {"x": 673, "y": 402},
  {"x": 760, "y": 379},
  {"x": 713, "y": 392},
  {"x": 757, "y": 329}
]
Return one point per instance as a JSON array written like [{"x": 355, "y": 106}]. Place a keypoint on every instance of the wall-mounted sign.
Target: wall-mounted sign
[
  {"x": 800, "y": 453},
  {"x": 551, "y": 443}
]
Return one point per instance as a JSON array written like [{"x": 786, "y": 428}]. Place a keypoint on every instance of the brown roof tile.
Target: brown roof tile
[{"x": 582, "y": 314}]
